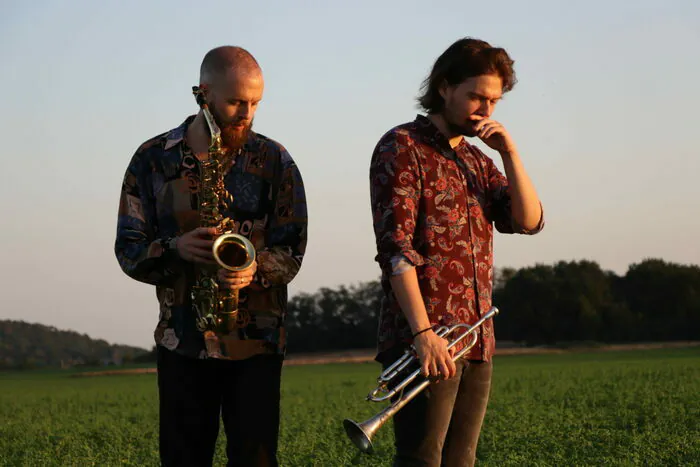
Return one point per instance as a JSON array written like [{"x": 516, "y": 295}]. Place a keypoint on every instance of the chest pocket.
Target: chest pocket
[{"x": 248, "y": 191}]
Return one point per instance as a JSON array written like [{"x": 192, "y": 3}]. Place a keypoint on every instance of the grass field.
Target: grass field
[{"x": 585, "y": 409}]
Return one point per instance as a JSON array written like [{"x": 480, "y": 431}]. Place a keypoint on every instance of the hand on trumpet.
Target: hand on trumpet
[
  {"x": 236, "y": 280},
  {"x": 435, "y": 358}
]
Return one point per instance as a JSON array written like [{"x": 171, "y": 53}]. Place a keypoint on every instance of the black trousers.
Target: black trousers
[
  {"x": 442, "y": 424},
  {"x": 195, "y": 394}
]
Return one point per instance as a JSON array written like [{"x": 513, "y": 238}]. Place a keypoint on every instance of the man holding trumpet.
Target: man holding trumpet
[{"x": 435, "y": 199}]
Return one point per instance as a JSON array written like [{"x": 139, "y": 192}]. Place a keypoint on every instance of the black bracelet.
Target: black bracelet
[{"x": 422, "y": 331}]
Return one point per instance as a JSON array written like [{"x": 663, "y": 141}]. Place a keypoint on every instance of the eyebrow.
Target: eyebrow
[
  {"x": 486, "y": 97},
  {"x": 239, "y": 99}
]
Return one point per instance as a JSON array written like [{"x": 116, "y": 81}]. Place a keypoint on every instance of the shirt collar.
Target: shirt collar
[
  {"x": 177, "y": 135},
  {"x": 428, "y": 129}
]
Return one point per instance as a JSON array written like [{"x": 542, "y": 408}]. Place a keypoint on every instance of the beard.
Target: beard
[
  {"x": 465, "y": 128},
  {"x": 456, "y": 124},
  {"x": 233, "y": 135}
]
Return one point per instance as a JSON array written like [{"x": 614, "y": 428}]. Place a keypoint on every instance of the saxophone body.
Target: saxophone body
[{"x": 217, "y": 308}]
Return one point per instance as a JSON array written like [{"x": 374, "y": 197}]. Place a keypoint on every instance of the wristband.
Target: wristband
[{"x": 429, "y": 328}]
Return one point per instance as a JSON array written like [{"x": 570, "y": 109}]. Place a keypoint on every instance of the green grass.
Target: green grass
[{"x": 617, "y": 408}]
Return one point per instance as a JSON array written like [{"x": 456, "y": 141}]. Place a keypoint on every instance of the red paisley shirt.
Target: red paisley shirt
[{"x": 435, "y": 207}]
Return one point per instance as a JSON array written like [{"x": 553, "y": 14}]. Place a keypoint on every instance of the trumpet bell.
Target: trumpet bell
[
  {"x": 233, "y": 252},
  {"x": 358, "y": 436}
]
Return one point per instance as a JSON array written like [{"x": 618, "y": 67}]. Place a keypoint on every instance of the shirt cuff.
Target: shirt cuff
[{"x": 399, "y": 265}]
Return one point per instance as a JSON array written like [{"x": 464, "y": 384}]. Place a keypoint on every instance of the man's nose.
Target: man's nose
[
  {"x": 245, "y": 111},
  {"x": 485, "y": 109}
]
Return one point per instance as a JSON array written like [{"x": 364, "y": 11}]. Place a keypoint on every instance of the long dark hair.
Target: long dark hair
[{"x": 465, "y": 58}]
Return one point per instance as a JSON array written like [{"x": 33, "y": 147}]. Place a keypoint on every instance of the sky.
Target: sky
[{"x": 604, "y": 115}]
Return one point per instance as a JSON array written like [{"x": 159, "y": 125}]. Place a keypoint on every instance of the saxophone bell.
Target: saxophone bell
[{"x": 233, "y": 252}]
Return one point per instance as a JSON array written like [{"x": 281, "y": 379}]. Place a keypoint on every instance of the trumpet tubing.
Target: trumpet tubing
[{"x": 361, "y": 433}]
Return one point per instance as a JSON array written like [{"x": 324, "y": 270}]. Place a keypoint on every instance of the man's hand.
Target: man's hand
[
  {"x": 435, "y": 359},
  {"x": 195, "y": 245},
  {"x": 237, "y": 280},
  {"x": 495, "y": 136}
]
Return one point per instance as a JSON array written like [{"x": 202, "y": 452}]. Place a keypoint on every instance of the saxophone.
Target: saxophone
[{"x": 217, "y": 308}]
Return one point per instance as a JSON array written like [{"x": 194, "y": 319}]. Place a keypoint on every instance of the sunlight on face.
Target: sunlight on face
[
  {"x": 234, "y": 99},
  {"x": 470, "y": 101}
]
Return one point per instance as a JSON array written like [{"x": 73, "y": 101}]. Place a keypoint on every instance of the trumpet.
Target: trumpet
[{"x": 361, "y": 433}]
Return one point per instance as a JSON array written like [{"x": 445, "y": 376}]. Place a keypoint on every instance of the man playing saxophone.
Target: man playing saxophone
[
  {"x": 220, "y": 336},
  {"x": 435, "y": 199}
]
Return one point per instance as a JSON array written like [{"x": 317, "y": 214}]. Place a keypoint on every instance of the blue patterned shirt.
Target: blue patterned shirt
[{"x": 159, "y": 202}]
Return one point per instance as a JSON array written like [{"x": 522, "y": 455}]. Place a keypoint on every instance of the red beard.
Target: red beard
[{"x": 233, "y": 135}]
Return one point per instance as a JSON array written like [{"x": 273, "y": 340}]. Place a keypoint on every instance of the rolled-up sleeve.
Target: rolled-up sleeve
[
  {"x": 500, "y": 204},
  {"x": 395, "y": 187}
]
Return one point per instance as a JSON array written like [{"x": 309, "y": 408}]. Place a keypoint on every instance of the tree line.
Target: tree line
[
  {"x": 569, "y": 301},
  {"x": 558, "y": 304},
  {"x": 31, "y": 345}
]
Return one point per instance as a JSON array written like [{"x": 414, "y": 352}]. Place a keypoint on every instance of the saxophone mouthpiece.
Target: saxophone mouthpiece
[{"x": 198, "y": 92}]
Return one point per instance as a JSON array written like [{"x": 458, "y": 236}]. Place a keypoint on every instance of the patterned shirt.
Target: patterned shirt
[
  {"x": 159, "y": 202},
  {"x": 434, "y": 207}
]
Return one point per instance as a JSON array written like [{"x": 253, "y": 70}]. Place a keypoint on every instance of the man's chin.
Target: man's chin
[
  {"x": 235, "y": 138},
  {"x": 463, "y": 130}
]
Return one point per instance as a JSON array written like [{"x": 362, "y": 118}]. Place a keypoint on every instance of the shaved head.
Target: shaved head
[{"x": 220, "y": 61}]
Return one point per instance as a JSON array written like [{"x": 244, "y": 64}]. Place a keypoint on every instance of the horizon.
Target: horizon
[
  {"x": 612, "y": 155},
  {"x": 508, "y": 343}
]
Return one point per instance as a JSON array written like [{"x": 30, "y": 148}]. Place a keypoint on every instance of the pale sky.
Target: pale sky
[{"x": 604, "y": 115}]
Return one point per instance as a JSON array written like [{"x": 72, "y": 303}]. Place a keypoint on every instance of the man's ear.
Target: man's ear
[
  {"x": 206, "y": 92},
  {"x": 442, "y": 89}
]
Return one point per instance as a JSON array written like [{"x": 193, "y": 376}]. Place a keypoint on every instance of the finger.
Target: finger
[
  {"x": 491, "y": 131},
  {"x": 424, "y": 369},
  {"x": 224, "y": 276},
  {"x": 201, "y": 243},
  {"x": 433, "y": 368},
  {"x": 239, "y": 282},
  {"x": 476, "y": 120},
  {"x": 205, "y": 231},
  {"x": 444, "y": 369},
  {"x": 232, "y": 286},
  {"x": 236, "y": 274},
  {"x": 200, "y": 253},
  {"x": 452, "y": 368},
  {"x": 485, "y": 128},
  {"x": 479, "y": 125},
  {"x": 201, "y": 257}
]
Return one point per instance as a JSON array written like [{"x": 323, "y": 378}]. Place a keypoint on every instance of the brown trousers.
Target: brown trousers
[{"x": 440, "y": 427}]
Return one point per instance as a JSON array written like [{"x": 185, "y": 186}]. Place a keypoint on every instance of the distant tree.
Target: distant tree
[
  {"x": 665, "y": 298},
  {"x": 568, "y": 301},
  {"x": 30, "y": 345}
]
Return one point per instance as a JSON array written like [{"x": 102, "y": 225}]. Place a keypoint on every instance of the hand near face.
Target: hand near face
[{"x": 494, "y": 135}]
